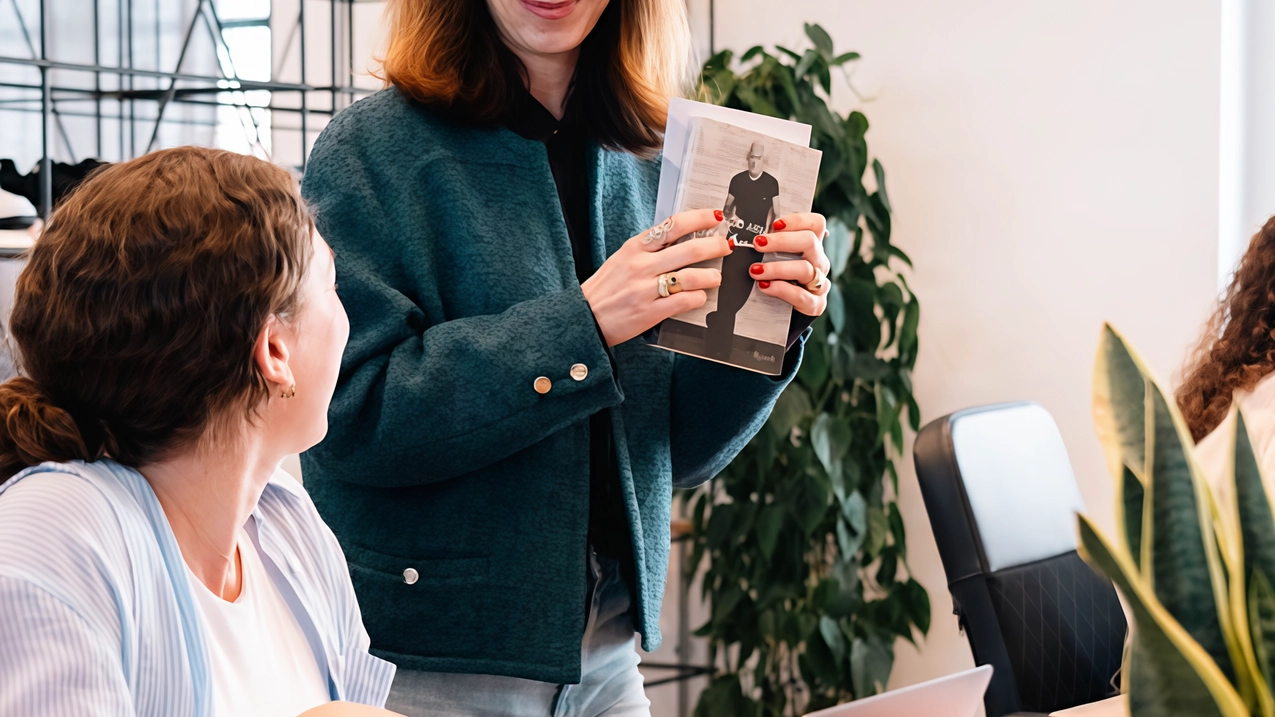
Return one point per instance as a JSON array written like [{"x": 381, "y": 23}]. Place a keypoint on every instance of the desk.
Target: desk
[{"x": 1113, "y": 707}]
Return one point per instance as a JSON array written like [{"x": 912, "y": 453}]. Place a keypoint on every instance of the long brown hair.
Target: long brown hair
[
  {"x": 1237, "y": 347},
  {"x": 135, "y": 317},
  {"x": 448, "y": 54}
]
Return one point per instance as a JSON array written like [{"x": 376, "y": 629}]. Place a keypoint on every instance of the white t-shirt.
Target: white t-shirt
[{"x": 262, "y": 664}]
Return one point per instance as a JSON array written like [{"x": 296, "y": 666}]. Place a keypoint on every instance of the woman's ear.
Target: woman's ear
[{"x": 271, "y": 353}]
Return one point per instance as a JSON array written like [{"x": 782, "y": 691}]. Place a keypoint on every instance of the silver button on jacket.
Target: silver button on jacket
[{"x": 410, "y": 576}]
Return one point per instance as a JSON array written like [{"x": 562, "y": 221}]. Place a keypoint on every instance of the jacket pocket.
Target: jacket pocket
[{"x": 411, "y": 570}]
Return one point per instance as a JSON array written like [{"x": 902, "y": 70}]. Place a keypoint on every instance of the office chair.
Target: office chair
[{"x": 1002, "y": 499}]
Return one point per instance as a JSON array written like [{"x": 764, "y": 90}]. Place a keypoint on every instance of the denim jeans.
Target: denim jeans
[{"x": 610, "y": 683}]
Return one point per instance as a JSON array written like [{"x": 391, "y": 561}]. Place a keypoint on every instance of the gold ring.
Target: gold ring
[
  {"x": 668, "y": 284},
  {"x": 815, "y": 284},
  {"x": 674, "y": 282}
]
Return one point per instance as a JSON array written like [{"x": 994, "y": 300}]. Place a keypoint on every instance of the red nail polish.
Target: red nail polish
[
  {"x": 760, "y": 241},
  {"x": 756, "y": 268},
  {"x": 778, "y": 225},
  {"x": 717, "y": 214},
  {"x": 764, "y": 284},
  {"x": 730, "y": 243}
]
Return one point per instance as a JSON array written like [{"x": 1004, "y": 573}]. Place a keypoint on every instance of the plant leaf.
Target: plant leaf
[
  {"x": 896, "y": 529},
  {"x": 832, "y": 636},
  {"x": 870, "y": 665},
  {"x": 1129, "y": 517},
  {"x": 1261, "y": 618},
  {"x": 819, "y": 659},
  {"x": 1119, "y": 405},
  {"x": 855, "y": 509},
  {"x": 918, "y": 604},
  {"x": 1168, "y": 673},
  {"x": 1253, "y": 519},
  {"x": 837, "y": 246},
  {"x": 878, "y": 527},
  {"x": 809, "y": 501},
  {"x": 1185, "y": 568},
  {"x": 792, "y": 406},
  {"x": 814, "y": 366},
  {"x": 1256, "y": 521},
  {"x": 819, "y": 36},
  {"x": 768, "y": 526},
  {"x": 848, "y": 542},
  {"x": 843, "y": 58},
  {"x": 899, "y": 253},
  {"x": 788, "y": 52},
  {"x": 907, "y": 333},
  {"x": 830, "y": 438},
  {"x": 879, "y": 173},
  {"x": 807, "y": 60},
  {"x": 825, "y": 76},
  {"x": 836, "y": 309}
]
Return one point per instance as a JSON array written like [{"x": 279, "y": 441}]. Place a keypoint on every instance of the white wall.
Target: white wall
[{"x": 1051, "y": 165}]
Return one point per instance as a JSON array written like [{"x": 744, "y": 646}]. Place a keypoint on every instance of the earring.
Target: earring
[{"x": 289, "y": 393}]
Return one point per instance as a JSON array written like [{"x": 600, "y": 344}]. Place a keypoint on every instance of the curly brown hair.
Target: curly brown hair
[
  {"x": 136, "y": 314},
  {"x": 1237, "y": 348}
]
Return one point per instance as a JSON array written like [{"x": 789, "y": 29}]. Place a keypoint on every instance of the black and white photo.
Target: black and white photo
[{"x": 753, "y": 179}]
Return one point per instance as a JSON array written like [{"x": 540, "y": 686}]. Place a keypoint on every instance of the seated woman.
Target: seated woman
[
  {"x": 1236, "y": 358},
  {"x": 179, "y": 335}
]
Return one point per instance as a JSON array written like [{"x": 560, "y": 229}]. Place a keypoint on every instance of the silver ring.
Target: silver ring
[
  {"x": 815, "y": 284},
  {"x": 662, "y": 285},
  {"x": 659, "y": 231}
]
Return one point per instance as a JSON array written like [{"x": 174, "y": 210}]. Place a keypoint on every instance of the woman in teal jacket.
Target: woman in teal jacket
[{"x": 503, "y": 445}]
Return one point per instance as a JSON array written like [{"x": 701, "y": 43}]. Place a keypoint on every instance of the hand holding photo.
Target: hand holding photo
[{"x": 754, "y": 179}]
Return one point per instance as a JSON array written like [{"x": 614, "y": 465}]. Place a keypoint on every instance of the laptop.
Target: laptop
[{"x": 956, "y": 695}]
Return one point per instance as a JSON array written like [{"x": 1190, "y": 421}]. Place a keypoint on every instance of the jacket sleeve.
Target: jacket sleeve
[
  {"x": 52, "y": 661},
  {"x": 717, "y": 410},
  {"x": 419, "y": 403}
]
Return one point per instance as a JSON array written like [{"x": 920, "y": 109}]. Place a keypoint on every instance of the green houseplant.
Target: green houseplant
[
  {"x": 1195, "y": 567},
  {"x": 807, "y": 575}
]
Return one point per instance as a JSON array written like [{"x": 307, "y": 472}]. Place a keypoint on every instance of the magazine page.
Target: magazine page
[{"x": 754, "y": 178}]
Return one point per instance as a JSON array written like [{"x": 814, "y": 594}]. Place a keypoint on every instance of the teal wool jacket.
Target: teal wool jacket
[{"x": 458, "y": 491}]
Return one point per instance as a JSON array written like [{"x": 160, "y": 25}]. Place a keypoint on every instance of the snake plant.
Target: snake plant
[{"x": 1195, "y": 562}]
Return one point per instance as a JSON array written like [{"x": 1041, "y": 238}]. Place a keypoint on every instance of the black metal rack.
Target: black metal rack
[{"x": 143, "y": 96}]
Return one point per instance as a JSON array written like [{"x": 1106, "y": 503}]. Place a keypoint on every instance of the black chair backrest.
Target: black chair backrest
[{"x": 1002, "y": 499}]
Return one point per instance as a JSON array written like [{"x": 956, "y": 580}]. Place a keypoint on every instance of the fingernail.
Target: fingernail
[
  {"x": 756, "y": 268},
  {"x": 717, "y": 214},
  {"x": 730, "y": 243},
  {"x": 760, "y": 241},
  {"x": 764, "y": 284},
  {"x": 779, "y": 225}
]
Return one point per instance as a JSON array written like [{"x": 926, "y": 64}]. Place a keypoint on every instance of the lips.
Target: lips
[{"x": 550, "y": 10}]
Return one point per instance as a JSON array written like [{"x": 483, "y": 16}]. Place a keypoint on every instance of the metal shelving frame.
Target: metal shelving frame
[{"x": 201, "y": 89}]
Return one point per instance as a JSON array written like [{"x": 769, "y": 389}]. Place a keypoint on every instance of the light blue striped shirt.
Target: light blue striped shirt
[{"x": 96, "y": 611}]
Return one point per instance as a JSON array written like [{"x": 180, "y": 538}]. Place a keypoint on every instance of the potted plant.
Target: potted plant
[
  {"x": 1195, "y": 566},
  {"x": 807, "y": 575}
]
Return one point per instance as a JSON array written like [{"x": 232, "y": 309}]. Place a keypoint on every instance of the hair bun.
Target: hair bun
[{"x": 35, "y": 429}]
